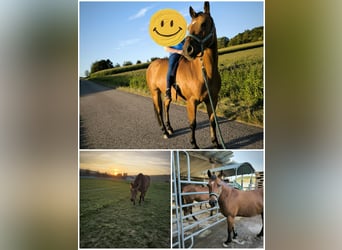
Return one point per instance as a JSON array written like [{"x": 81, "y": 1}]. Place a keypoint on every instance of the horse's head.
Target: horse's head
[
  {"x": 202, "y": 33},
  {"x": 215, "y": 188},
  {"x": 134, "y": 192}
]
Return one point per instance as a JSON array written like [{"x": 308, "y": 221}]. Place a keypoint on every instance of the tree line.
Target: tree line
[
  {"x": 256, "y": 34},
  {"x": 91, "y": 173}
]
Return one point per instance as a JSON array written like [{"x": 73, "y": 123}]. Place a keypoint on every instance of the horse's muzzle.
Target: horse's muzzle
[
  {"x": 212, "y": 203},
  {"x": 189, "y": 51}
]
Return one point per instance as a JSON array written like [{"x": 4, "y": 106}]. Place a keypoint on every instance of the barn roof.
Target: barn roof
[{"x": 201, "y": 161}]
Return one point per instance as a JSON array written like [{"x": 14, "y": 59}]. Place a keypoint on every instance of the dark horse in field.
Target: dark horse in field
[
  {"x": 140, "y": 184},
  {"x": 189, "y": 199},
  {"x": 235, "y": 202},
  {"x": 200, "y": 49}
]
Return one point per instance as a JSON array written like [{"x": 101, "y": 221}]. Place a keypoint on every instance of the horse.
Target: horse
[
  {"x": 235, "y": 202},
  {"x": 140, "y": 184},
  {"x": 199, "y": 51},
  {"x": 189, "y": 199}
]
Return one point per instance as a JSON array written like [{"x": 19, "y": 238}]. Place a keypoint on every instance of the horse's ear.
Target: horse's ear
[
  {"x": 193, "y": 13},
  {"x": 206, "y": 8},
  {"x": 209, "y": 173}
]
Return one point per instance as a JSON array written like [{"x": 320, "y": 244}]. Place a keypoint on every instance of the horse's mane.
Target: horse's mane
[{"x": 138, "y": 178}]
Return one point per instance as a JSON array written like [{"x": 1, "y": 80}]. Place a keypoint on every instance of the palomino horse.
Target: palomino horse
[
  {"x": 235, "y": 202},
  {"x": 189, "y": 199},
  {"x": 140, "y": 184},
  {"x": 200, "y": 49}
]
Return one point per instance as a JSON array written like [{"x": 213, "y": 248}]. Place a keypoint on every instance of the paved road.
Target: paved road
[{"x": 113, "y": 119}]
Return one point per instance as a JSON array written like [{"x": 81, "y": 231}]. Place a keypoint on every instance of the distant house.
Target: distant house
[{"x": 129, "y": 178}]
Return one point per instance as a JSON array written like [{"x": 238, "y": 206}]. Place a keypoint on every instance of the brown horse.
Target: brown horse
[
  {"x": 235, "y": 202},
  {"x": 140, "y": 184},
  {"x": 189, "y": 199},
  {"x": 200, "y": 51}
]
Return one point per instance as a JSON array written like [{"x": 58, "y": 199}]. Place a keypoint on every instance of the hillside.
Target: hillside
[{"x": 248, "y": 36}]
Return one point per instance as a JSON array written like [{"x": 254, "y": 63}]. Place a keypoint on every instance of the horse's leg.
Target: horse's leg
[
  {"x": 262, "y": 229},
  {"x": 193, "y": 215},
  {"x": 212, "y": 122},
  {"x": 191, "y": 109},
  {"x": 157, "y": 103},
  {"x": 167, "y": 103},
  {"x": 230, "y": 223},
  {"x": 234, "y": 232}
]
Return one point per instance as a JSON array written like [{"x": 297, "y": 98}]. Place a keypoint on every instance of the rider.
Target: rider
[{"x": 175, "y": 54}]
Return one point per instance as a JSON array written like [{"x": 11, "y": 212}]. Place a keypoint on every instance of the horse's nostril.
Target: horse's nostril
[
  {"x": 212, "y": 203},
  {"x": 190, "y": 49}
]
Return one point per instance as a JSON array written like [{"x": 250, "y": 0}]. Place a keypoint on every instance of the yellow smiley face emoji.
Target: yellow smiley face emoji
[{"x": 167, "y": 27}]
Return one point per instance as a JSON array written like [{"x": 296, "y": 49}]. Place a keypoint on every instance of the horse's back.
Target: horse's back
[
  {"x": 142, "y": 181},
  {"x": 196, "y": 197}
]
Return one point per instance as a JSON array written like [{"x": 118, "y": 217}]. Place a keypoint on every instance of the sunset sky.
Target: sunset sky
[{"x": 130, "y": 162}]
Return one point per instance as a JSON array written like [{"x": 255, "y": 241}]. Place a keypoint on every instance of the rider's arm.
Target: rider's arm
[{"x": 172, "y": 50}]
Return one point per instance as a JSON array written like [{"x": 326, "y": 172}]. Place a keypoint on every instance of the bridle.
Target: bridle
[
  {"x": 215, "y": 194},
  {"x": 203, "y": 40}
]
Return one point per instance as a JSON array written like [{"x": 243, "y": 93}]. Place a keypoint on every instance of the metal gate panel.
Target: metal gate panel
[{"x": 182, "y": 234}]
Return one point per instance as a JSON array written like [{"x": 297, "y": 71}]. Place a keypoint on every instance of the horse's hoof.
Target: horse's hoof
[
  {"x": 165, "y": 136},
  {"x": 226, "y": 244},
  {"x": 240, "y": 242},
  {"x": 170, "y": 131}
]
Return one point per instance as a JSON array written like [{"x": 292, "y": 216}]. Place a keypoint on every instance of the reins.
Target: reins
[
  {"x": 202, "y": 42},
  {"x": 211, "y": 103}
]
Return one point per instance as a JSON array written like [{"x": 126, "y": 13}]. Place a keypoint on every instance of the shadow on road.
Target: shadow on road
[
  {"x": 88, "y": 88},
  {"x": 231, "y": 144},
  {"x": 245, "y": 140}
]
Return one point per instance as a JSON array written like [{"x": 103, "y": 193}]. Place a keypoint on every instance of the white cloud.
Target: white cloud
[{"x": 140, "y": 13}]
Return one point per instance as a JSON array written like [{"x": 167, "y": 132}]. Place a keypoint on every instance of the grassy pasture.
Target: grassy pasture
[
  {"x": 242, "y": 92},
  {"x": 108, "y": 218}
]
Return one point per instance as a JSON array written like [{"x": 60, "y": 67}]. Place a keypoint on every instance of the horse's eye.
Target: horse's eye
[{"x": 203, "y": 25}]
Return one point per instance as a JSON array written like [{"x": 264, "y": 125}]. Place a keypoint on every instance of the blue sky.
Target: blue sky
[{"x": 118, "y": 31}]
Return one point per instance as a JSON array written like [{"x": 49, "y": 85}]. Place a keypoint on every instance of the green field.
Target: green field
[
  {"x": 242, "y": 91},
  {"x": 108, "y": 218}
]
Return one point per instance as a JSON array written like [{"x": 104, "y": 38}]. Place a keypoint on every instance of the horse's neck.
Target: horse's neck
[
  {"x": 226, "y": 189},
  {"x": 210, "y": 60}
]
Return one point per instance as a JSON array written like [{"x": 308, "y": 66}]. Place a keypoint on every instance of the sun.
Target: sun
[{"x": 115, "y": 171}]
